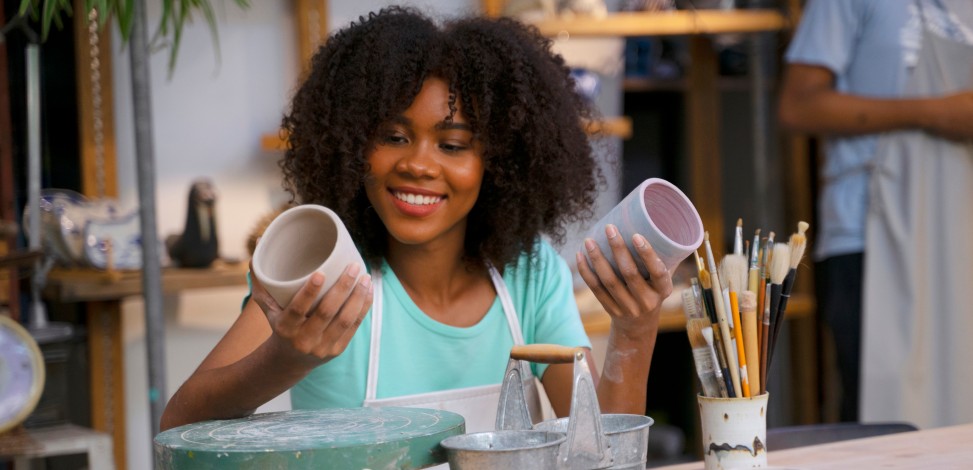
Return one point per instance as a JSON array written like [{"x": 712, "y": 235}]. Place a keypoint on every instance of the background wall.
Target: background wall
[{"x": 208, "y": 120}]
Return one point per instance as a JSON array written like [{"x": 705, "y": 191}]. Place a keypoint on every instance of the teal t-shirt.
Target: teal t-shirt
[{"x": 419, "y": 354}]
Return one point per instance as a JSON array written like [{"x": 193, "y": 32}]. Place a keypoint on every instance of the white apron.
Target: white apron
[
  {"x": 477, "y": 405},
  {"x": 917, "y": 312}
]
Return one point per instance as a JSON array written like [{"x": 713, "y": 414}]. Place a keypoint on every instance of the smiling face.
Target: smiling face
[{"x": 425, "y": 173}]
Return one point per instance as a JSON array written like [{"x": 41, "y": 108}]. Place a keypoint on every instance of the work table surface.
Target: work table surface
[{"x": 939, "y": 448}]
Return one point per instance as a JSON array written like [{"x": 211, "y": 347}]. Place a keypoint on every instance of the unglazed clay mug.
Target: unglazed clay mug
[
  {"x": 300, "y": 241},
  {"x": 662, "y": 214}
]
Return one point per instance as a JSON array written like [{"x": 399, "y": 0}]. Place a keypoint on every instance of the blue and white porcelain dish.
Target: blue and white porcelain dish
[
  {"x": 77, "y": 231},
  {"x": 114, "y": 243}
]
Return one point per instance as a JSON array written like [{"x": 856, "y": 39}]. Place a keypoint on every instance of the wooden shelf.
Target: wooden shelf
[
  {"x": 83, "y": 285},
  {"x": 648, "y": 85},
  {"x": 667, "y": 23},
  {"x": 597, "y": 322},
  {"x": 273, "y": 143},
  {"x": 615, "y": 127}
]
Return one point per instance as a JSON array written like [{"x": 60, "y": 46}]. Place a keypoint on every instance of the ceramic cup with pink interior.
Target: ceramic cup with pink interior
[
  {"x": 300, "y": 241},
  {"x": 662, "y": 214}
]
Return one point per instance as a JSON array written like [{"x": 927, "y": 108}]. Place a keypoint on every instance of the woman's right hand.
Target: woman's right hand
[{"x": 315, "y": 336}]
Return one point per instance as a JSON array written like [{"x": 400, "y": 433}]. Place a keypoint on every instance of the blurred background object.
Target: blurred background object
[{"x": 198, "y": 245}]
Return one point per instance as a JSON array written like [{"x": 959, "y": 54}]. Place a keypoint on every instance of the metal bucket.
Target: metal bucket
[
  {"x": 628, "y": 437},
  {"x": 585, "y": 447},
  {"x": 504, "y": 449},
  {"x": 586, "y": 440}
]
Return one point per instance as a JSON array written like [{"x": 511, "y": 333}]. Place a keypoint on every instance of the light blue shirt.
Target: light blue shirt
[
  {"x": 422, "y": 355},
  {"x": 871, "y": 46}
]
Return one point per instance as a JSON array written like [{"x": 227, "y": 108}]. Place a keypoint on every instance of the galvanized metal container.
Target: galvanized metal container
[
  {"x": 585, "y": 440},
  {"x": 628, "y": 437},
  {"x": 504, "y": 449}
]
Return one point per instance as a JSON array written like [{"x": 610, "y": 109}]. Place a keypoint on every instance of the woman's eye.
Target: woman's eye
[
  {"x": 453, "y": 147},
  {"x": 395, "y": 139}
]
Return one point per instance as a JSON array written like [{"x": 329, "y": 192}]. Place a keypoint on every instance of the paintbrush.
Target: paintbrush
[
  {"x": 761, "y": 290},
  {"x": 722, "y": 381},
  {"x": 780, "y": 264},
  {"x": 705, "y": 361},
  {"x": 738, "y": 238},
  {"x": 797, "y": 244},
  {"x": 700, "y": 264},
  {"x": 709, "y": 306},
  {"x": 748, "y": 317},
  {"x": 764, "y": 340},
  {"x": 702, "y": 357},
  {"x": 721, "y": 317},
  {"x": 753, "y": 275},
  {"x": 768, "y": 255},
  {"x": 706, "y": 285},
  {"x": 697, "y": 292},
  {"x": 733, "y": 269},
  {"x": 689, "y": 306},
  {"x": 765, "y": 276}
]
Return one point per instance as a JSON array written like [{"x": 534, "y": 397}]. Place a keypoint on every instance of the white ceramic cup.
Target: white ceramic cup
[
  {"x": 662, "y": 214},
  {"x": 734, "y": 432},
  {"x": 300, "y": 241}
]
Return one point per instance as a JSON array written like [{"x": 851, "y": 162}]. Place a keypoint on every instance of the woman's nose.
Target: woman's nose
[{"x": 419, "y": 161}]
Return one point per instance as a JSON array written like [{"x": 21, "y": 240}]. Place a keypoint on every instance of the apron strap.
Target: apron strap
[
  {"x": 508, "y": 305},
  {"x": 376, "y": 337}
]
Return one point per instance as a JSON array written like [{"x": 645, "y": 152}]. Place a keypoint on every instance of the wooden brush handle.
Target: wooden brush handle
[
  {"x": 764, "y": 339},
  {"x": 545, "y": 353},
  {"x": 740, "y": 345},
  {"x": 752, "y": 348},
  {"x": 729, "y": 342}
]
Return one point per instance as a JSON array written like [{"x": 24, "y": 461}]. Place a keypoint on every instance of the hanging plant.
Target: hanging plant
[{"x": 175, "y": 15}]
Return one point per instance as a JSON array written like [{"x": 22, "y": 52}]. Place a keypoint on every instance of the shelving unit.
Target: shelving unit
[
  {"x": 639, "y": 85},
  {"x": 702, "y": 87},
  {"x": 666, "y": 23},
  {"x": 702, "y": 83}
]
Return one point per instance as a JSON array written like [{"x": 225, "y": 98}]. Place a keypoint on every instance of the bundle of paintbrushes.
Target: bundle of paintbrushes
[{"x": 734, "y": 312}]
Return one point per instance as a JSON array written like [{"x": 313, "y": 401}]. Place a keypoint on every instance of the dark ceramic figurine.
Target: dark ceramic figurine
[{"x": 198, "y": 245}]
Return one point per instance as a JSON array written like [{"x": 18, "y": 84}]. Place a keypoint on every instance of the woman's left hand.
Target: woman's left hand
[{"x": 632, "y": 301}]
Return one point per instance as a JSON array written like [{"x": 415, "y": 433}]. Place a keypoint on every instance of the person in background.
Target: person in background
[
  {"x": 448, "y": 151},
  {"x": 848, "y": 67}
]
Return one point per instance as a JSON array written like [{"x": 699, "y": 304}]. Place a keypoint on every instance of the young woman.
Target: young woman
[{"x": 448, "y": 151}]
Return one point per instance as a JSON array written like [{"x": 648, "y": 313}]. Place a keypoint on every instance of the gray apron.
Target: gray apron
[{"x": 918, "y": 295}]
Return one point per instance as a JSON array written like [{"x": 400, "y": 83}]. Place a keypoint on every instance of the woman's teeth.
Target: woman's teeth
[{"x": 417, "y": 199}]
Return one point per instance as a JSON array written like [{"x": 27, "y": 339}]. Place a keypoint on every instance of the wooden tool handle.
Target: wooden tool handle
[
  {"x": 752, "y": 348},
  {"x": 545, "y": 353}
]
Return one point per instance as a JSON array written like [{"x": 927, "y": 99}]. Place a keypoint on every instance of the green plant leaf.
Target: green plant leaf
[
  {"x": 104, "y": 11},
  {"x": 210, "y": 16},
  {"x": 175, "y": 15},
  {"x": 49, "y": 9},
  {"x": 162, "y": 30},
  {"x": 25, "y": 7},
  {"x": 125, "y": 10}
]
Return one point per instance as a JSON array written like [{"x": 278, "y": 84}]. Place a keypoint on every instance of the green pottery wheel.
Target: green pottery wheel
[{"x": 337, "y": 438}]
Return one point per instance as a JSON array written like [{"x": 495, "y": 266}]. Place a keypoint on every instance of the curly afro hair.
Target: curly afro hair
[{"x": 518, "y": 97}]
